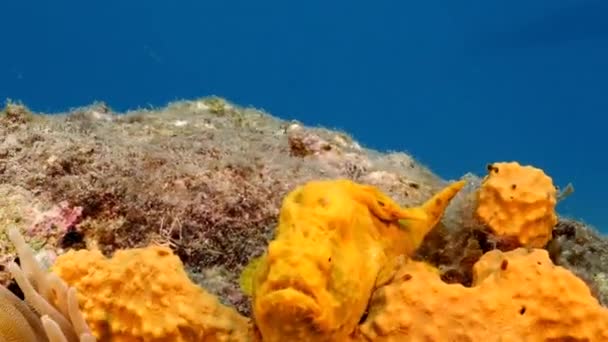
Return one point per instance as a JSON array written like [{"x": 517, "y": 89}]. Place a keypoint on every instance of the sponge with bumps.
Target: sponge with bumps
[
  {"x": 516, "y": 296},
  {"x": 518, "y": 203},
  {"x": 144, "y": 294}
]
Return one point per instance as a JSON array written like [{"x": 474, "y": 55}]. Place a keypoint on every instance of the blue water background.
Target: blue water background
[{"x": 456, "y": 83}]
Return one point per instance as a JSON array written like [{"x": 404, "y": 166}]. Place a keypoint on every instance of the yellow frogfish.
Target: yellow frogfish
[{"x": 335, "y": 243}]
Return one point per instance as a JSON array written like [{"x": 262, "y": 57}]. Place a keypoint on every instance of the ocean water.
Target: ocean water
[{"x": 456, "y": 84}]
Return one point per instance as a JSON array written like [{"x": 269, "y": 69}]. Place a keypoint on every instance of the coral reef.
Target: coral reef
[
  {"x": 307, "y": 292},
  {"x": 204, "y": 177},
  {"x": 203, "y": 181}
]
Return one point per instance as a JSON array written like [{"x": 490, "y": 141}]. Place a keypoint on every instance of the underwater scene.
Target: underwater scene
[{"x": 321, "y": 171}]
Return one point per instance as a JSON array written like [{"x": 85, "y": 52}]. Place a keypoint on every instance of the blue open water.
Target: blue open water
[{"x": 457, "y": 84}]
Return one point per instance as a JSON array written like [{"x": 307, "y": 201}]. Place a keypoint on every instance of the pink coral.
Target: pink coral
[{"x": 60, "y": 218}]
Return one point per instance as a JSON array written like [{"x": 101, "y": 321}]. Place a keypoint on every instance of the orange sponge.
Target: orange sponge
[
  {"x": 516, "y": 296},
  {"x": 518, "y": 203},
  {"x": 145, "y": 295}
]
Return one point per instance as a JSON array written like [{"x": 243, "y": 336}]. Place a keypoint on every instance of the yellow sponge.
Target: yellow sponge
[
  {"x": 518, "y": 202},
  {"x": 516, "y": 296},
  {"x": 144, "y": 294}
]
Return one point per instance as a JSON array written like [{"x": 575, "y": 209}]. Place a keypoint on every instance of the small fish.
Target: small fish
[{"x": 563, "y": 194}]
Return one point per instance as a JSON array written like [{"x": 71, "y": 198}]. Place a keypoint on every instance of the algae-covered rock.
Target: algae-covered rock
[
  {"x": 206, "y": 177},
  {"x": 583, "y": 250}
]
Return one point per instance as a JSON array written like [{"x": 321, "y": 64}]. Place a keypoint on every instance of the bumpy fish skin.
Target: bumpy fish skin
[{"x": 336, "y": 242}]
